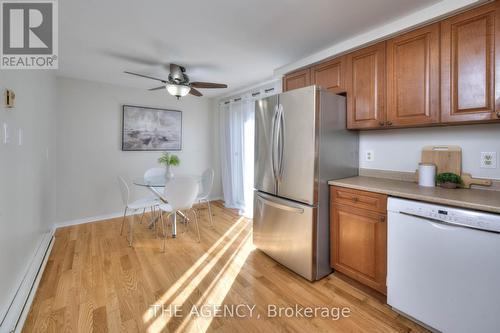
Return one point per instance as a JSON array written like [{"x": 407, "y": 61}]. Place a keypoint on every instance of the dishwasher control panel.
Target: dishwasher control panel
[{"x": 450, "y": 215}]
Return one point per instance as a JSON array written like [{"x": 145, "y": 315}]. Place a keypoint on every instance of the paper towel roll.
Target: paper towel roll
[{"x": 427, "y": 174}]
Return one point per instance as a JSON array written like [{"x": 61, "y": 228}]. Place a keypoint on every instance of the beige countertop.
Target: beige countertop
[{"x": 482, "y": 200}]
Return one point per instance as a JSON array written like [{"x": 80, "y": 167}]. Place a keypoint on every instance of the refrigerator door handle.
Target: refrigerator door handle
[
  {"x": 274, "y": 142},
  {"x": 281, "y": 140},
  {"x": 275, "y": 204}
]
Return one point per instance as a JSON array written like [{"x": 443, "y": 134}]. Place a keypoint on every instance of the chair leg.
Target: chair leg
[
  {"x": 164, "y": 232},
  {"x": 123, "y": 221},
  {"x": 185, "y": 222},
  {"x": 131, "y": 230},
  {"x": 210, "y": 213},
  {"x": 142, "y": 217},
  {"x": 153, "y": 220},
  {"x": 196, "y": 224}
]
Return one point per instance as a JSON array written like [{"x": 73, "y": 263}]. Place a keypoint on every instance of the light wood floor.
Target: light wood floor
[{"x": 95, "y": 282}]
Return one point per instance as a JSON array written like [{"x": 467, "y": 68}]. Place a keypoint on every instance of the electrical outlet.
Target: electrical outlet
[
  {"x": 369, "y": 155},
  {"x": 488, "y": 160}
]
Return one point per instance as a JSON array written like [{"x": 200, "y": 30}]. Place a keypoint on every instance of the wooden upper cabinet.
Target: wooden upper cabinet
[
  {"x": 298, "y": 79},
  {"x": 365, "y": 83},
  {"x": 330, "y": 75},
  {"x": 469, "y": 45},
  {"x": 413, "y": 78}
]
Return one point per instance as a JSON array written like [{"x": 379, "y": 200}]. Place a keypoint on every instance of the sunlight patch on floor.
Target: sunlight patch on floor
[
  {"x": 183, "y": 294},
  {"x": 219, "y": 287}
]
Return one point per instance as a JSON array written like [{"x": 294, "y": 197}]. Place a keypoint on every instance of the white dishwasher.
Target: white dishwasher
[{"x": 443, "y": 266}]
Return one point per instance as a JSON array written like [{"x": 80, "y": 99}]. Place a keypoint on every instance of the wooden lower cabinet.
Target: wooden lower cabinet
[{"x": 359, "y": 242}]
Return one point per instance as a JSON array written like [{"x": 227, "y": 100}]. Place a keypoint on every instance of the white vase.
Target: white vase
[{"x": 168, "y": 173}]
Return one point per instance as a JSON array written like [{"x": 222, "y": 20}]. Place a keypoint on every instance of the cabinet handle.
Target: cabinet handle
[
  {"x": 382, "y": 219},
  {"x": 355, "y": 199},
  {"x": 389, "y": 123},
  {"x": 382, "y": 123}
]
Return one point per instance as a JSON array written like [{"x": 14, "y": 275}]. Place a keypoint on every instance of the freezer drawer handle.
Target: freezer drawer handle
[{"x": 280, "y": 206}]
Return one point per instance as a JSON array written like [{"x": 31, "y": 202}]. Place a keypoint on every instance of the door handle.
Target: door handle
[
  {"x": 281, "y": 141},
  {"x": 273, "y": 143},
  {"x": 280, "y": 206}
]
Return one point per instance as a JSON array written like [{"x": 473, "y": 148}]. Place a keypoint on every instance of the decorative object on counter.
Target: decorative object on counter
[
  {"x": 467, "y": 181},
  {"x": 449, "y": 180},
  {"x": 427, "y": 174},
  {"x": 447, "y": 158},
  {"x": 169, "y": 160}
]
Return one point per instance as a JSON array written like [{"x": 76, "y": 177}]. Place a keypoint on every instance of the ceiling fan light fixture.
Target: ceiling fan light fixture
[{"x": 178, "y": 90}]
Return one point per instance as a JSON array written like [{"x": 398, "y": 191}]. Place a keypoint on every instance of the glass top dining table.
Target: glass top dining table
[
  {"x": 156, "y": 185},
  {"x": 160, "y": 181}
]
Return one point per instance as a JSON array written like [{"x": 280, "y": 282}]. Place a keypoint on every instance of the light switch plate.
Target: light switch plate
[
  {"x": 6, "y": 138},
  {"x": 488, "y": 160},
  {"x": 20, "y": 137},
  {"x": 369, "y": 155}
]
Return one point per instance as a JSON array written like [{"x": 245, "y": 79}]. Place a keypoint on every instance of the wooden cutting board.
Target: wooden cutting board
[{"x": 446, "y": 158}]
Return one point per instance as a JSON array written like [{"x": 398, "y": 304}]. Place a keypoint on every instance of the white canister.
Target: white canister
[{"x": 427, "y": 174}]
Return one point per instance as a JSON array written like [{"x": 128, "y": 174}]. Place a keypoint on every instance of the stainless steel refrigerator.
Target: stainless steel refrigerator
[{"x": 301, "y": 142}]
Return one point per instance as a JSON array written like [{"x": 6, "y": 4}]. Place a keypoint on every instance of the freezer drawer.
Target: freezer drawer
[{"x": 285, "y": 231}]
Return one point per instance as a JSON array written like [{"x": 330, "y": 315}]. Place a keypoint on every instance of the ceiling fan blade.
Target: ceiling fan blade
[
  {"x": 195, "y": 92},
  {"x": 146, "y": 76},
  {"x": 208, "y": 85},
  {"x": 157, "y": 88}
]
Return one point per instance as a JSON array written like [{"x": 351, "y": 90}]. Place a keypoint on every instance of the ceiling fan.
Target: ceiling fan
[{"x": 178, "y": 83}]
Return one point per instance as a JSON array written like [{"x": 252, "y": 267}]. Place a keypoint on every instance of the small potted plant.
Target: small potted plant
[
  {"x": 169, "y": 160},
  {"x": 449, "y": 180}
]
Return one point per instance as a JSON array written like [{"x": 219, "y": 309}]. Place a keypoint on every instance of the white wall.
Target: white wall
[
  {"x": 400, "y": 149},
  {"x": 90, "y": 158},
  {"x": 27, "y": 198}
]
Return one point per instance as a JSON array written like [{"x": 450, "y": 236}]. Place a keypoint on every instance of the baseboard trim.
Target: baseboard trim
[
  {"x": 21, "y": 304},
  {"x": 99, "y": 218},
  {"x": 90, "y": 219}
]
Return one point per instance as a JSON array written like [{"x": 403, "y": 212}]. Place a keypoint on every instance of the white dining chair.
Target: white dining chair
[
  {"x": 207, "y": 181},
  {"x": 180, "y": 193},
  {"x": 134, "y": 206},
  {"x": 153, "y": 174}
]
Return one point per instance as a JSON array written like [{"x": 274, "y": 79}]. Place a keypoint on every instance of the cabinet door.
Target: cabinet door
[
  {"x": 468, "y": 65},
  {"x": 330, "y": 75},
  {"x": 297, "y": 80},
  {"x": 413, "y": 78},
  {"x": 365, "y": 83},
  {"x": 359, "y": 245}
]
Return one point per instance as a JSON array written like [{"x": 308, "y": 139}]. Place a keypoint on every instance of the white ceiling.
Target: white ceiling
[{"x": 227, "y": 41}]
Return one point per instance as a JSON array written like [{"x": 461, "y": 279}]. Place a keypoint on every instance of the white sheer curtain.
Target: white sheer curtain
[
  {"x": 237, "y": 151},
  {"x": 236, "y": 131}
]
